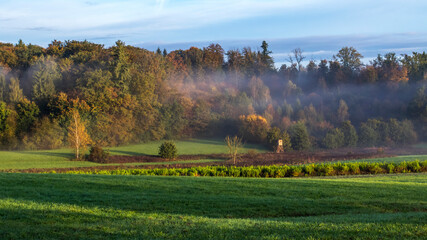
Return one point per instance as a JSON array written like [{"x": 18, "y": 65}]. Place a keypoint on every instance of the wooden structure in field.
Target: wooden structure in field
[{"x": 279, "y": 148}]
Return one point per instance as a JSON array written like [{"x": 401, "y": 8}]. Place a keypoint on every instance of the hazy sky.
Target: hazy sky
[{"x": 319, "y": 27}]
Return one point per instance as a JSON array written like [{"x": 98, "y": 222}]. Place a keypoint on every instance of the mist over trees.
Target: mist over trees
[{"x": 126, "y": 94}]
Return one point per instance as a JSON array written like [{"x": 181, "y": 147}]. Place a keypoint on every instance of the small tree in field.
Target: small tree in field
[
  {"x": 233, "y": 145},
  {"x": 77, "y": 135},
  {"x": 168, "y": 150}
]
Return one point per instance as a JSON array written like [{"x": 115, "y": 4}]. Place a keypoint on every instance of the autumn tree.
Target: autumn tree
[
  {"x": 342, "y": 112},
  {"x": 349, "y": 58},
  {"x": 253, "y": 128},
  {"x": 416, "y": 65},
  {"x": 77, "y": 135},
  {"x": 15, "y": 93}
]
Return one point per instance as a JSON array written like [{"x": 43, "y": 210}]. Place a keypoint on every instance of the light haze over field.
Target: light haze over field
[{"x": 319, "y": 27}]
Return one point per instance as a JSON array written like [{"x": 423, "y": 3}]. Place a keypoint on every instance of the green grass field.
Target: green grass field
[
  {"x": 60, "y": 158},
  {"x": 421, "y": 145},
  {"x": 396, "y": 159},
  {"x": 61, "y": 206}
]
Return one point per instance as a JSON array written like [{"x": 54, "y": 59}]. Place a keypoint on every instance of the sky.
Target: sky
[{"x": 319, "y": 27}]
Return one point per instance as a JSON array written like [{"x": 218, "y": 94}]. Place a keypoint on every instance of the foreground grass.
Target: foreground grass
[
  {"x": 60, "y": 158},
  {"x": 52, "y": 206}
]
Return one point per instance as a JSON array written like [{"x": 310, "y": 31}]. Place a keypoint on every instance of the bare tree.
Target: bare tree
[
  {"x": 296, "y": 57},
  {"x": 233, "y": 145}
]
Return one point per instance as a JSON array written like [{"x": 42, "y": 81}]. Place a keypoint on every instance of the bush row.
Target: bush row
[{"x": 274, "y": 171}]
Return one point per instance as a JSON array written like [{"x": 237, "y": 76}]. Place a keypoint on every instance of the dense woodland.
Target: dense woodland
[{"x": 124, "y": 94}]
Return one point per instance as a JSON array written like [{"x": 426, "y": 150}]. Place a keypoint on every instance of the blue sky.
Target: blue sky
[{"x": 319, "y": 27}]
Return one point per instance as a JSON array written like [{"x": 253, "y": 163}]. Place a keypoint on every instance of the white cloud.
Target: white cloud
[{"x": 93, "y": 18}]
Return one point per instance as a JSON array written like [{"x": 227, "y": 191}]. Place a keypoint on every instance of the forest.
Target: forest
[{"x": 125, "y": 94}]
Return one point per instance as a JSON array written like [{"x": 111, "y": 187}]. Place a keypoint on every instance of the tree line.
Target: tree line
[{"x": 125, "y": 94}]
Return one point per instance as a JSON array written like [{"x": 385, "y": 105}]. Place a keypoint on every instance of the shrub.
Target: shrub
[
  {"x": 325, "y": 169},
  {"x": 309, "y": 169},
  {"x": 168, "y": 150},
  {"x": 414, "y": 166},
  {"x": 390, "y": 168},
  {"x": 98, "y": 155},
  {"x": 354, "y": 168}
]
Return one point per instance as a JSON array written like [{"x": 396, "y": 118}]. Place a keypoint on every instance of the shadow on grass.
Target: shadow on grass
[
  {"x": 129, "y": 153},
  {"x": 63, "y": 224},
  {"x": 53, "y": 154},
  {"x": 208, "y": 197}
]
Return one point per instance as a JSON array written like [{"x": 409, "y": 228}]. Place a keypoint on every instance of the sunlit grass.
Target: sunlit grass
[
  {"x": 53, "y": 206},
  {"x": 60, "y": 158}
]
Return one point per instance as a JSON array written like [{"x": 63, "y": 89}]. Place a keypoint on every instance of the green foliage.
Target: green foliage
[
  {"x": 28, "y": 113},
  {"x": 4, "y": 114},
  {"x": 273, "y": 136},
  {"x": 168, "y": 150},
  {"x": 299, "y": 137},
  {"x": 393, "y": 132},
  {"x": 368, "y": 135},
  {"x": 349, "y": 58},
  {"x": 334, "y": 139},
  {"x": 45, "y": 75},
  {"x": 98, "y": 155},
  {"x": 46, "y": 134},
  {"x": 173, "y": 119},
  {"x": 132, "y": 94},
  {"x": 350, "y": 134},
  {"x": 3, "y": 91},
  {"x": 275, "y": 171}
]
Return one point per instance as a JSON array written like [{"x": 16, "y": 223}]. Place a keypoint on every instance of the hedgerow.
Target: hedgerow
[{"x": 274, "y": 171}]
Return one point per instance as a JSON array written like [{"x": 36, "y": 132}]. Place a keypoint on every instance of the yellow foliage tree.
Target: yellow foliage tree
[
  {"x": 253, "y": 128},
  {"x": 77, "y": 134}
]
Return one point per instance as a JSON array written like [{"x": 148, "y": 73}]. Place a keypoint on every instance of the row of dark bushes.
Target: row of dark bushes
[{"x": 274, "y": 171}]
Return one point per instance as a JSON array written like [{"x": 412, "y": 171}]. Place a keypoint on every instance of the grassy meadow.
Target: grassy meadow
[
  {"x": 63, "y": 206},
  {"x": 396, "y": 159},
  {"x": 60, "y": 158}
]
